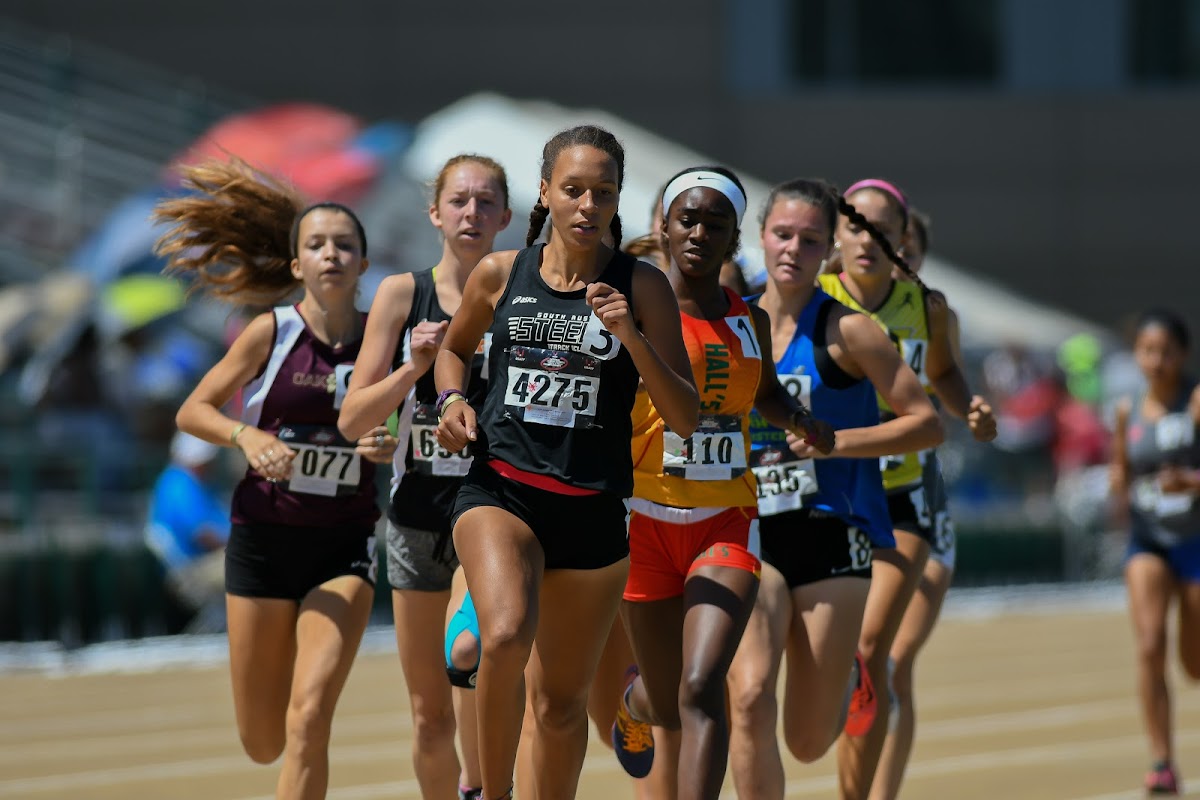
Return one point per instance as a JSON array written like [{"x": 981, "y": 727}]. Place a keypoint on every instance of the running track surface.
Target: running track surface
[{"x": 1014, "y": 704}]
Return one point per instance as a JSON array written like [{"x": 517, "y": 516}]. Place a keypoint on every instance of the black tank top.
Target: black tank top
[
  {"x": 563, "y": 386},
  {"x": 426, "y": 477}
]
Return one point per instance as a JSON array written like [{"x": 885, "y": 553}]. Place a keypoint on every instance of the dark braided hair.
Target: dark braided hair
[
  {"x": 592, "y": 136},
  {"x": 736, "y": 242},
  {"x": 847, "y": 209}
]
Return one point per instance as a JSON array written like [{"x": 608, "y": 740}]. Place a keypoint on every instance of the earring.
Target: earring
[{"x": 837, "y": 245}]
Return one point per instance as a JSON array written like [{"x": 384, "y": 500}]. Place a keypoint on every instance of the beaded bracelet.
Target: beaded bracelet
[{"x": 445, "y": 395}]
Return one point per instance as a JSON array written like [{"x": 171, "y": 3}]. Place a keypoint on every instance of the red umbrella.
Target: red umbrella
[{"x": 308, "y": 145}]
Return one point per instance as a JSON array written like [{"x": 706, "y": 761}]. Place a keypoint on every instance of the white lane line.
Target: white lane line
[
  {"x": 999, "y": 759},
  {"x": 397, "y": 726},
  {"x": 191, "y": 768},
  {"x": 594, "y": 765}
]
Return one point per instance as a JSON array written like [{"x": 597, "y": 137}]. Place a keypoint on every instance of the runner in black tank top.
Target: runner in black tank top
[
  {"x": 564, "y": 384},
  {"x": 303, "y": 557},
  {"x": 408, "y": 318},
  {"x": 556, "y": 389},
  {"x": 1156, "y": 478}
]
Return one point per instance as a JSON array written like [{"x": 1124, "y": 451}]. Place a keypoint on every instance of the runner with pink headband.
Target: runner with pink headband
[
  {"x": 871, "y": 228},
  {"x": 883, "y": 186}
]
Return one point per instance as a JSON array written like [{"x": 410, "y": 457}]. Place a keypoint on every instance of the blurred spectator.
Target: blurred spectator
[{"x": 189, "y": 525}]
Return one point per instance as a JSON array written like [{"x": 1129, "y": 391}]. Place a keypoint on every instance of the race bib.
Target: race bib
[
  {"x": 715, "y": 452},
  {"x": 552, "y": 387},
  {"x": 1174, "y": 432},
  {"x": 429, "y": 457},
  {"x": 483, "y": 354},
  {"x": 744, "y": 330},
  {"x": 325, "y": 463},
  {"x": 783, "y": 479},
  {"x": 341, "y": 382},
  {"x": 1150, "y": 498},
  {"x": 913, "y": 351},
  {"x": 598, "y": 341}
]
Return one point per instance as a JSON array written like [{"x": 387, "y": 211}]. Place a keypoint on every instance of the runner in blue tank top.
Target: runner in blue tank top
[
  {"x": 819, "y": 516},
  {"x": 1156, "y": 478},
  {"x": 300, "y": 561}
]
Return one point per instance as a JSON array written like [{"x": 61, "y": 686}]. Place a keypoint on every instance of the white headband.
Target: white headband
[{"x": 705, "y": 180}]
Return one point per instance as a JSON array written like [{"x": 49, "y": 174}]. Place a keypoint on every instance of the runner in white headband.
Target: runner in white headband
[{"x": 705, "y": 179}]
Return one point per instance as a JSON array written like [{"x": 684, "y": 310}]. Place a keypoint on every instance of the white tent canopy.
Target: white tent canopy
[{"x": 513, "y": 132}]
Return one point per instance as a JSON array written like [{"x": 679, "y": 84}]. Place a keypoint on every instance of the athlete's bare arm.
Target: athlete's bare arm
[
  {"x": 375, "y": 391},
  {"x": 452, "y": 368},
  {"x": 656, "y": 345}
]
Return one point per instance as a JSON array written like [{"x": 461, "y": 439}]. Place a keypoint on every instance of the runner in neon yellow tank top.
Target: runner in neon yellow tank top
[
  {"x": 903, "y": 316},
  {"x": 871, "y": 227}
]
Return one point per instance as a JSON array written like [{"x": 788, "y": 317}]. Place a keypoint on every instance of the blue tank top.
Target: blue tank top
[{"x": 849, "y": 488}]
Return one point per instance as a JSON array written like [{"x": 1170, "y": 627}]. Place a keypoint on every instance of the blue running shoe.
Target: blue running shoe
[{"x": 633, "y": 740}]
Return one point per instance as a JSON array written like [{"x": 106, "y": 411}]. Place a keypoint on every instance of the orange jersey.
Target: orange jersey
[{"x": 708, "y": 468}]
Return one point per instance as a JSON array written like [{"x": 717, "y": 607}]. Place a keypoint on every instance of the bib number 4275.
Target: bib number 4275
[{"x": 552, "y": 387}]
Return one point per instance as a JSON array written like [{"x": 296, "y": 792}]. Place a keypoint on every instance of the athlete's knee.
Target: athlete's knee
[
  {"x": 753, "y": 707},
  {"x": 1151, "y": 645},
  {"x": 558, "y": 712},
  {"x": 901, "y": 678},
  {"x": 263, "y": 747},
  {"x": 702, "y": 689},
  {"x": 509, "y": 636},
  {"x": 807, "y": 744},
  {"x": 463, "y": 660},
  {"x": 308, "y": 725},
  {"x": 433, "y": 726},
  {"x": 464, "y": 651}
]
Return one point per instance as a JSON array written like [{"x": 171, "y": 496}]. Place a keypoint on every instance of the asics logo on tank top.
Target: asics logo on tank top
[{"x": 523, "y": 298}]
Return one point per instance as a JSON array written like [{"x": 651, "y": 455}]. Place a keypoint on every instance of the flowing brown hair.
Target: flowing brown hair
[{"x": 232, "y": 236}]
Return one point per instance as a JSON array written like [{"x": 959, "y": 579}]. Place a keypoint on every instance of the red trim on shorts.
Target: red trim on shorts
[
  {"x": 728, "y": 554},
  {"x": 543, "y": 482}
]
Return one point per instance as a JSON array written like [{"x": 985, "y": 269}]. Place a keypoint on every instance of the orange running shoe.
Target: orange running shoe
[
  {"x": 632, "y": 739},
  {"x": 863, "y": 703}
]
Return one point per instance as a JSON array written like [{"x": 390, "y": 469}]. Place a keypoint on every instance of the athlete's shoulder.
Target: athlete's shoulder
[
  {"x": 493, "y": 270},
  {"x": 1194, "y": 403},
  {"x": 830, "y": 282},
  {"x": 760, "y": 318},
  {"x": 398, "y": 287},
  {"x": 646, "y": 274}
]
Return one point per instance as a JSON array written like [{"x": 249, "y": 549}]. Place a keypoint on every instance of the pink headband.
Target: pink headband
[{"x": 881, "y": 185}]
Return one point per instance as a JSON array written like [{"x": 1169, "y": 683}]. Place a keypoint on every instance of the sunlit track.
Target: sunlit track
[{"x": 1015, "y": 705}]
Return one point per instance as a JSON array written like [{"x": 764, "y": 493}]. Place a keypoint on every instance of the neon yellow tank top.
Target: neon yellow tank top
[{"x": 902, "y": 317}]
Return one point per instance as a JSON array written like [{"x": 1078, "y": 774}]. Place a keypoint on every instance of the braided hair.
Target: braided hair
[
  {"x": 847, "y": 209},
  {"x": 593, "y": 136}
]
